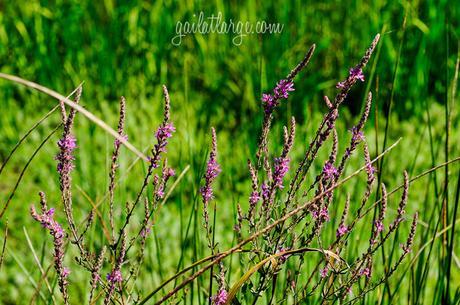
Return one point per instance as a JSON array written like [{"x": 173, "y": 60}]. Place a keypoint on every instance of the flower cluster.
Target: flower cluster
[
  {"x": 357, "y": 73},
  {"x": 65, "y": 157},
  {"x": 281, "y": 167},
  {"x": 378, "y": 226},
  {"x": 115, "y": 276},
  {"x": 282, "y": 89},
  {"x": 220, "y": 298},
  {"x": 357, "y": 135},
  {"x": 212, "y": 171},
  {"x": 341, "y": 230},
  {"x": 265, "y": 191},
  {"x": 164, "y": 132},
  {"x": 162, "y": 135},
  {"x": 329, "y": 171},
  {"x": 167, "y": 173},
  {"x": 46, "y": 219},
  {"x": 366, "y": 272},
  {"x": 354, "y": 74},
  {"x": 323, "y": 272},
  {"x": 322, "y": 213},
  {"x": 254, "y": 198}
]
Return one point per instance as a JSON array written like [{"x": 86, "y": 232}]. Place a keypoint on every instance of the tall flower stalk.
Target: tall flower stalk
[
  {"x": 207, "y": 193},
  {"x": 46, "y": 219},
  {"x": 114, "y": 165}
]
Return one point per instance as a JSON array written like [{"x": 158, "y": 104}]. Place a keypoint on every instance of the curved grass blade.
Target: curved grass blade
[
  {"x": 233, "y": 291},
  {"x": 77, "y": 107},
  {"x": 25, "y": 168}
]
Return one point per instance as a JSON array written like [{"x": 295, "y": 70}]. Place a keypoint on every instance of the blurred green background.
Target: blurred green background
[{"x": 124, "y": 48}]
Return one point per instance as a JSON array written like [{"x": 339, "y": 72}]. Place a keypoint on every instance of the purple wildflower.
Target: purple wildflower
[
  {"x": 162, "y": 135},
  {"x": 323, "y": 213},
  {"x": 329, "y": 171},
  {"x": 212, "y": 171},
  {"x": 48, "y": 222},
  {"x": 165, "y": 131},
  {"x": 265, "y": 191},
  {"x": 117, "y": 142},
  {"x": 170, "y": 172},
  {"x": 115, "y": 276},
  {"x": 341, "y": 230},
  {"x": 268, "y": 102},
  {"x": 357, "y": 135},
  {"x": 160, "y": 192},
  {"x": 323, "y": 272},
  {"x": 65, "y": 157},
  {"x": 357, "y": 73},
  {"x": 254, "y": 198},
  {"x": 65, "y": 272},
  {"x": 145, "y": 231},
  {"x": 365, "y": 271},
  {"x": 370, "y": 171},
  {"x": 281, "y": 168},
  {"x": 282, "y": 89},
  {"x": 354, "y": 74},
  {"x": 220, "y": 298},
  {"x": 378, "y": 226}
]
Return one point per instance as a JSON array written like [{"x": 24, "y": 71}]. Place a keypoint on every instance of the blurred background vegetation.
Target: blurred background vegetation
[{"x": 124, "y": 48}]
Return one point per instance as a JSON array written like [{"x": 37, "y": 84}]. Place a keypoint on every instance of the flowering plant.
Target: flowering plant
[{"x": 281, "y": 226}]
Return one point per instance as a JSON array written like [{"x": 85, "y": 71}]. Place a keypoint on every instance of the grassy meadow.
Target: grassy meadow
[{"x": 123, "y": 48}]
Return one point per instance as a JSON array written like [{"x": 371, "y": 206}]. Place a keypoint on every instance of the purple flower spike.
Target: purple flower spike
[
  {"x": 283, "y": 88},
  {"x": 370, "y": 171},
  {"x": 115, "y": 276},
  {"x": 323, "y": 214},
  {"x": 48, "y": 222},
  {"x": 165, "y": 132},
  {"x": 366, "y": 271},
  {"x": 329, "y": 171},
  {"x": 378, "y": 226},
  {"x": 357, "y": 135},
  {"x": 65, "y": 272},
  {"x": 323, "y": 272},
  {"x": 357, "y": 73},
  {"x": 265, "y": 191},
  {"x": 65, "y": 157},
  {"x": 342, "y": 230},
  {"x": 220, "y": 298},
  {"x": 212, "y": 171},
  {"x": 281, "y": 91},
  {"x": 254, "y": 198},
  {"x": 281, "y": 168}
]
